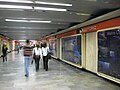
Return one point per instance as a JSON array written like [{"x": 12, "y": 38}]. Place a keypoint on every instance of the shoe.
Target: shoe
[
  {"x": 32, "y": 62},
  {"x": 36, "y": 70},
  {"x": 26, "y": 75}
]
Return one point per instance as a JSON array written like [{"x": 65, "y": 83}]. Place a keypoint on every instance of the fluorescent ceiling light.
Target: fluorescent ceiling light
[
  {"x": 18, "y": 1},
  {"x": 41, "y": 21},
  {"x": 49, "y": 3},
  {"x": 22, "y": 40},
  {"x": 15, "y": 7},
  {"x": 92, "y": 0},
  {"x": 13, "y": 20},
  {"x": 12, "y": 31},
  {"x": 84, "y": 14},
  {"x": 50, "y": 9}
]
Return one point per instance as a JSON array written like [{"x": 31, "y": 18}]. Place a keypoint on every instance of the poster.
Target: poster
[
  {"x": 71, "y": 49},
  {"x": 109, "y": 52},
  {"x": 52, "y": 47}
]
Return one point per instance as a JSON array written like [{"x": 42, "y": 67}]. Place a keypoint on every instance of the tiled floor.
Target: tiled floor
[{"x": 59, "y": 77}]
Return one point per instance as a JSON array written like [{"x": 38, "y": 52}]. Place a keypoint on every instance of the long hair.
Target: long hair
[{"x": 44, "y": 45}]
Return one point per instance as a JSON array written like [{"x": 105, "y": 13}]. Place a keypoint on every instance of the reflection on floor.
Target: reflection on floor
[{"x": 59, "y": 77}]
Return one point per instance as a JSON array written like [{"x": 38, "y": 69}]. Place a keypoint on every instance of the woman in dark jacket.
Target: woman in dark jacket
[{"x": 4, "y": 51}]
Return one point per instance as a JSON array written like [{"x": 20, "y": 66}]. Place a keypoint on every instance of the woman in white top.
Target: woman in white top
[
  {"x": 37, "y": 51},
  {"x": 45, "y": 51}
]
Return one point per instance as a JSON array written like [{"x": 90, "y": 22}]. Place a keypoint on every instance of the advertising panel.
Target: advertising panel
[
  {"x": 71, "y": 49},
  {"x": 109, "y": 52},
  {"x": 52, "y": 47}
]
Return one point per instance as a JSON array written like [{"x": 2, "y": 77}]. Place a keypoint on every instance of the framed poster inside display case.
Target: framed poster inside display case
[
  {"x": 71, "y": 49},
  {"x": 109, "y": 52},
  {"x": 52, "y": 47}
]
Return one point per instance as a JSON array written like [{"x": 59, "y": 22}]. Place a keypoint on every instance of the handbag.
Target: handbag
[
  {"x": 34, "y": 55},
  {"x": 49, "y": 55}
]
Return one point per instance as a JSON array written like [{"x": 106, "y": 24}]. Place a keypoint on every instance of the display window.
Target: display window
[
  {"x": 71, "y": 49},
  {"x": 52, "y": 47},
  {"x": 109, "y": 52}
]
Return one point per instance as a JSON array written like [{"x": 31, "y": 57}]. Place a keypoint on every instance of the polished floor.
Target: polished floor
[{"x": 60, "y": 76}]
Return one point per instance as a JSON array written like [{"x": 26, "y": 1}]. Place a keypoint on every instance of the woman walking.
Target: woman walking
[
  {"x": 37, "y": 54},
  {"x": 4, "y": 51},
  {"x": 45, "y": 51}
]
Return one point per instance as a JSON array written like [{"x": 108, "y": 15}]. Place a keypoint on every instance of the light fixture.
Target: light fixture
[
  {"x": 92, "y": 0},
  {"x": 50, "y": 9},
  {"x": 22, "y": 40},
  {"x": 84, "y": 14},
  {"x": 41, "y": 21},
  {"x": 18, "y": 1},
  {"x": 13, "y": 31},
  {"x": 29, "y": 21},
  {"x": 49, "y": 3},
  {"x": 15, "y": 7},
  {"x": 12, "y": 20}
]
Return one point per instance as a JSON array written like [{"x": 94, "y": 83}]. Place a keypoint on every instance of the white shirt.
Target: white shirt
[
  {"x": 45, "y": 51},
  {"x": 37, "y": 51}
]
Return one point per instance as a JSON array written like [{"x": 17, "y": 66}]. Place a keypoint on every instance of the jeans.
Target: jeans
[{"x": 27, "y": 62}]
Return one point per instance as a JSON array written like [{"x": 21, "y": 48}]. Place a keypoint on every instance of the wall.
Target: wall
[
  {"x": 91, "y": 52},
  {"x": 91, "y": 61},
  {"x": 0, "y": 46},
  {"x": 58, "y": 48},
  {"x": 89, "y": 44}
]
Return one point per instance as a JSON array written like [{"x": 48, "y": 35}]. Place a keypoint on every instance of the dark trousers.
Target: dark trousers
[
  {"x": 4, "y": 57},
  {"x": 45, "y": 63},
  {"x": 18, "y": 50},
  {"x": 37, "y": 59}
]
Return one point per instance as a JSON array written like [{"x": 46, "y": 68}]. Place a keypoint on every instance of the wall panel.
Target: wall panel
[{"x": 91, "y": 61}]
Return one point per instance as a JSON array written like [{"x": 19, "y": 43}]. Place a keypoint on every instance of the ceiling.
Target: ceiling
[{"x": 77, "y": 12}]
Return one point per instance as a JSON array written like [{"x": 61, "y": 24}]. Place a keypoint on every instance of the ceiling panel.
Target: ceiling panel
[{"x": 80, "y": 11}]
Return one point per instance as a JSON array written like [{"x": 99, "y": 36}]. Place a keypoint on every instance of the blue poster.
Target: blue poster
[
  {"x": 71, "y": 49},
  {"x": 52, "y": 47},
  {"x": 109, "y": 52}
]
